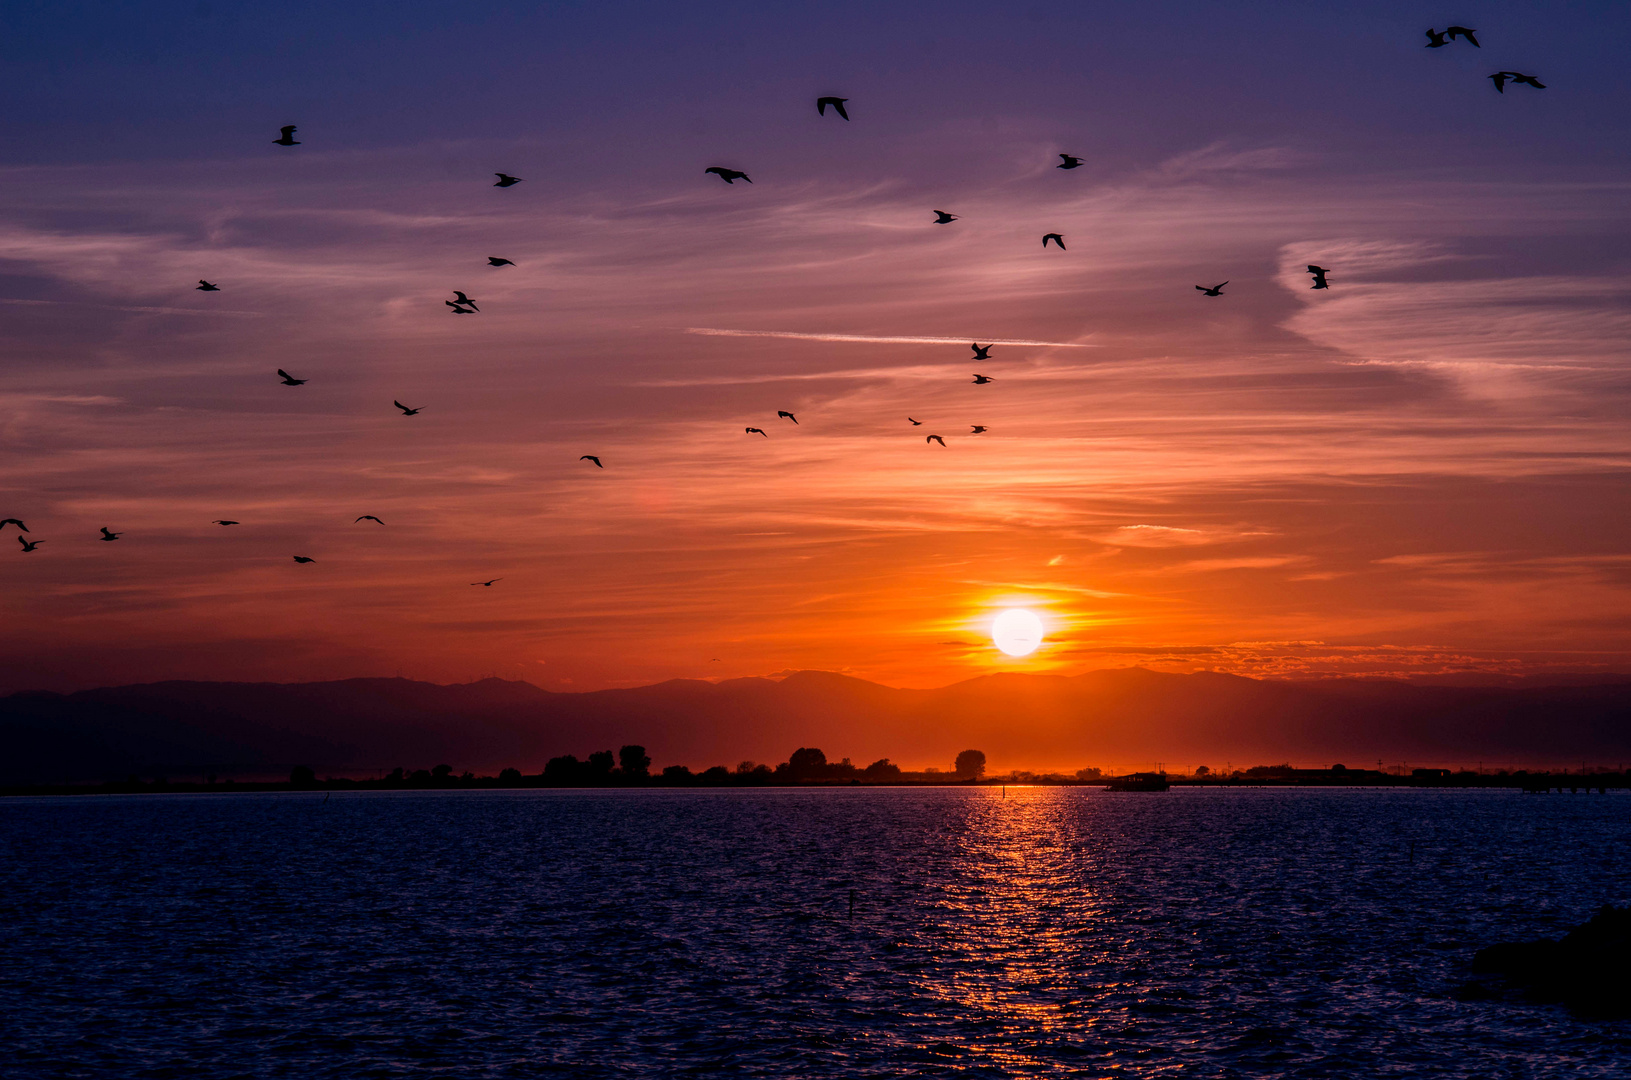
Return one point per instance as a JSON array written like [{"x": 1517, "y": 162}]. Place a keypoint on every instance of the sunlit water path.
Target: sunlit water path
[{"x": 1053, "y": 932}]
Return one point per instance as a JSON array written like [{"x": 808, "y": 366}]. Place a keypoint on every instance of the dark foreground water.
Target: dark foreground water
[{"x": 1057, "y": 932}]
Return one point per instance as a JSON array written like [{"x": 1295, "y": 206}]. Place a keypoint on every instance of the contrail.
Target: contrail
[{"x": 713, "y": 332}]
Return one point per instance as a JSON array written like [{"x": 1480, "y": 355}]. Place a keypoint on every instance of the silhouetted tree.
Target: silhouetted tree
[
  {"x": 441, "y": 773},
  {"x": 634, "y": 762},
  {"x": 970, "y": 764},
  {"x": 882, "y": 769},
  {"x": 563, "y": 770},
  {"x": 510, "y": 777},
  {"x": 716, "y": 775},
  {"x": 1202, "y": 770},
  {"x": 420, "y": 778},
  {"x": 1088, "y": 774},
  {"x": 677, "y": 774},
  {"x": 395, "y": 776},
  {"x": 804, "y": 764},
  {"x": 600, "y": 766},
  {"x": 302, "y": 776}
]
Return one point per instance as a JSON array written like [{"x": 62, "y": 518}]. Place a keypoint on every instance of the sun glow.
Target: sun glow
[{"x": 1017, "y": 632}]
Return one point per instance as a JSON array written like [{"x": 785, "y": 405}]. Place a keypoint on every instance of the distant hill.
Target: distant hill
[{"x": 1040, "y": 722}]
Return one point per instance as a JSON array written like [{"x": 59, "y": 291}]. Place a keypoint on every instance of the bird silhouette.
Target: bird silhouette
[
  {"x": 1435, "y": 40},
  {"x": 943, "y": 218},
  {"x": 29, "y": 545},
  {"x": 407, "y": 411},
  {"x": 1521, "y": 80},
  {"x": 1453, "y": 32},
  {"x": 1216, "y": 290},
  {"x": 368, "y": 517},
  {"x": 591, "y": 457},
  {"x": 106, "y": 535},
  {"x": 1055, "y": 237},
  {"x": 1069, "y": 161},
  {"x": 836, "y": 102},
  {"x": 981, "y": 352},
  {"x": 223, "y": 521},
  {"x": 755, "y": 431},
  {"x": 302, "y": 559},
  {"x": 1319, "y": 273},
  {"x": 290, "y": 380},
  {"x": 781, "y": 413},
  {"x": 914, "y": 423},
  {"x": 13, "y": 521},
  {"x": 461, "y": 300},
  {"x": 1500, "y": 78},
  {"x": 205, "y": 286},
  {"x": 488, "y": 584},
  {"x": 730, "y": 176},
  {"x": 287, "y": 138},
  {"x": 979, "y": 429},
  {"x": 506, "y": 180},
  {"x": 494, "y": 260},
  {"x": 934, "y": 438},
  {"x": 459, "y": 309},
  {"x": 981, "y": 380}
]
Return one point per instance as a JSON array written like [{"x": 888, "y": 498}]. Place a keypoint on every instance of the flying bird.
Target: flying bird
[
  {"x": 755, "y": 431},
  {"x": 13, "y": 521},
  {"x": 459, "y": 309},
  {"x": 934, "y": 438},
  {"x": 730, "y": 176},
  {"x": 836, "y": 102},
  {"x": 205, "y": 286},
  {"x": 290, "y": 380},
  {"x": 1216, "y": 290},
  {"x": 461, "y": 300},
  {"x": 1069, "y": 161},
  {"x": 287, "y": 138},
  {"x": 302, "y": 559},
  {"x": 494, "y": 260},
  {"x": 943, "y": 218},
  {"x": 914, "y": 423},
  {"x": 591, "y": 457},
  {"x": 106, "y": 535},
  {"x": 1436, "y": 40},
  {"x": 1055, "y": 237},
  {"x": 368, "y": 517},
  {"x": 979, "y": 429},
  {"x": 1500, "y": 78},
  {"x": 29, "y": 545},
  {"x": 223, "y": 521},
  {"x": 1319, "y": 273},
  {"x": 405, "y": 410},
  {"x": 1523, "y": 80},
  {"x": 1453, "y": 32},
  {"x": 781, "y": 413},
  {"x": 981, "y": 380},
  {"x": 981, "y": 352},
  {"x": 488, "y": 584},
  {"x": 506, "y": 180}
]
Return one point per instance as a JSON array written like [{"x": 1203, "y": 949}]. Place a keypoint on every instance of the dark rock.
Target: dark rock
[{"x": 1586, "y": 969}]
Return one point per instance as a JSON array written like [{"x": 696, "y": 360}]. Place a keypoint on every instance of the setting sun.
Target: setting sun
[{"x": 1017, "y": 632}]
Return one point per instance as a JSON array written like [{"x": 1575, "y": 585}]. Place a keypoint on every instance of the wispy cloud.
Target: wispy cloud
[{"x": 898, "y": 340}]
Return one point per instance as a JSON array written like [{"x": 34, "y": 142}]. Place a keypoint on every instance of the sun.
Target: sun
[{"x": 1017, "y": 632}]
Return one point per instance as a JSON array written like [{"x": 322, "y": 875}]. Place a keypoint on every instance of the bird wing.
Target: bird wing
[
  {"x": 401, "y": 406},
  {"x": 287, "y": 131},
  {"x": 13, "y": 521}
]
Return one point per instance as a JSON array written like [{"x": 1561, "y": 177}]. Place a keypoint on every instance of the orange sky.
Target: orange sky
[{"x": 1420, "y": 470}]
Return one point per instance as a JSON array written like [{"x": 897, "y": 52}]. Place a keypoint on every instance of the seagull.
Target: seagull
[
  {"x": 979, "y": 429},
  {"x": 29, "y": 545},
  {"x": 106, "y": 535},
  {"x": 755, "y": 431},
  {"x": 981, "y": 380},
  {"x": 223, "y": 521},
  {"x": 1216, "y": 290},
  {"x": 459, "y": 309},
  {"x": 914, "y": 423},
  {"x": 784, "y": 413},
  {"x": 302, "y": 559},
  {"x": 1319, "y": 273},
  {"x": 730, "y": 176},
  {"x": 981, "y": 352},
  {"x": 488, "y": 584},
  {"x": 1069, "y": 161},
  {"x": 205, "y": 286},
  {"x": 287, "y": 138},
  {"x": 405, "y": 410},
  {"x": 943, "y": 218},
  {"x": 506, "y": 180},
  {"x": 1453, "y": 32},
  {"x": 1500, "y": 78},
  {"x": 13, "y": 521},
  {"x": 459, "y": 299},
  {"x": 368, "y": 517},
  {"x": 1524, "y": 80},
  {"x": 591, "y": 457},
  {"x": 494, "y": 260},
  {"x": 1055, "y": 237},
  {"x": 1436, "y": 40},
  {"x": 934, "y": 438},
  {"x": 290, "y": 380},
  {"x": 836, "y": 102}
]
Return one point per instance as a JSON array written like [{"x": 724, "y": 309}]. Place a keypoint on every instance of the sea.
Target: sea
[{"x": 780, "y": 932}]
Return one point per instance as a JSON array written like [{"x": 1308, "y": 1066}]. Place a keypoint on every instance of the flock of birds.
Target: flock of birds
[{"x": 461, "y": 304}]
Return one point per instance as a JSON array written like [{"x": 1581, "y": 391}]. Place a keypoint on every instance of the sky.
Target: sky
[{"x": 1420, "y": 471}]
